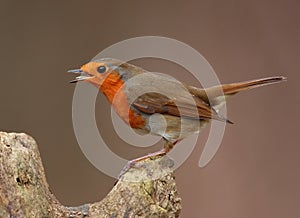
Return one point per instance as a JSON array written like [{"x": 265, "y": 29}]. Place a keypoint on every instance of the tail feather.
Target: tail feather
[
  {"x": 230, "y": 89},
  {"x": 216, "y": 96}
]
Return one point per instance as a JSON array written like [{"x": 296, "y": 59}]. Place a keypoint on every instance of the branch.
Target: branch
[{"x": 146, "y": 189}]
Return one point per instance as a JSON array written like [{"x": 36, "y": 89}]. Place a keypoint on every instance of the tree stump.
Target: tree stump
[{"x": 145, "y": 189}]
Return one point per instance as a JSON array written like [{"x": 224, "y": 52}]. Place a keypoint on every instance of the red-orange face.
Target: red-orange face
[
  {"x": 94, "y": 72},
  {"x": 103, "y": 75}
]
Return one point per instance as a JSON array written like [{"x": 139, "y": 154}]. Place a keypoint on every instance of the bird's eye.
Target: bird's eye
[{"x": 101, "y": 69}]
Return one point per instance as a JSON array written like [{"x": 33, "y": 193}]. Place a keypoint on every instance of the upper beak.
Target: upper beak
[
  {"x": 75, "y": 71},
  {"x": 84, "y": 75}
]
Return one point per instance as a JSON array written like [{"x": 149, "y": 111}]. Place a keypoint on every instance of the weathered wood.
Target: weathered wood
[{"x": 146, "y": 189}]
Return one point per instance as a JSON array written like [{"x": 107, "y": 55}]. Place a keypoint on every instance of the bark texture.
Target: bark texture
[{"x": 145, "y": 189}]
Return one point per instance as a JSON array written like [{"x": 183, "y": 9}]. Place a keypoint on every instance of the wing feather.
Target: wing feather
[{"x": 151, "y": 103}]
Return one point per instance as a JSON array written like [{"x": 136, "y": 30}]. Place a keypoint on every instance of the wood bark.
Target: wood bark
[{"x": 145, "y": 189}]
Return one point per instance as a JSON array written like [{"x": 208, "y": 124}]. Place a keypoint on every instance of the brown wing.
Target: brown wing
[{"x": 151, "y": 103}]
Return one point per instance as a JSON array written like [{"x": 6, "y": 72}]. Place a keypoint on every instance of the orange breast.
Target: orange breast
[{"x": 112, "y": 87}]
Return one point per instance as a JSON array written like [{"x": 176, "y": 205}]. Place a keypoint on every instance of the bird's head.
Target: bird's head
[
  {"x": 105, "y": 69},
  {"x": 96, "y": 72}
]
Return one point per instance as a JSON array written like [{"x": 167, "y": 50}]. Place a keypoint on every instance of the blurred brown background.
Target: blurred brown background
[{"x": 255, "y": 172}]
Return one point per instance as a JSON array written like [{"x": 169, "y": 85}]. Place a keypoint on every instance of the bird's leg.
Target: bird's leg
[
  {"x": 167, "y": 147},
  {"x": 131, "y": 163},
  {"x": 161, "y": 152}
]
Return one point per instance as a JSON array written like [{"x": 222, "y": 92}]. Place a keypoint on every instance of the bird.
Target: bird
[{"x": 158, "y": 104}]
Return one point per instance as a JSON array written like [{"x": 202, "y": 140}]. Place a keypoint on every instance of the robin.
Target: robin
[{"x": 157, "y": 104}]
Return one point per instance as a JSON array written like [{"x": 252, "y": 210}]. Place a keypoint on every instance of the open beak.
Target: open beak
[{"x": 82, "y": 77}]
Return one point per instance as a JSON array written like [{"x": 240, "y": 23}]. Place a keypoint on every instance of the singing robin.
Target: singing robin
[{"x": 142, "y": 99}]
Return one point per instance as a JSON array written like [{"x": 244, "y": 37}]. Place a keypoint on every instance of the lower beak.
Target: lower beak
[{"x": 82, "y": 77}]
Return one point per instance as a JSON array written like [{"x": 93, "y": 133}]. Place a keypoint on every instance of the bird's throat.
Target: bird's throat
[{"x": 113, "y": 88}]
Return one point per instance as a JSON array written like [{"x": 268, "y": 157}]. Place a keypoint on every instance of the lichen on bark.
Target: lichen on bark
[{"x": 145, "y": 189}]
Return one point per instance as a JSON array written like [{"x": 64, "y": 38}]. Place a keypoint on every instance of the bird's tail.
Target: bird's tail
[
  {"x": 233, "y": 88},
  {"x": 216, "y": 96}
]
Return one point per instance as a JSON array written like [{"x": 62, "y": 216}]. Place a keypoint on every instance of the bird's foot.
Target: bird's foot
[
  {"x": 150, "y": 156},
  {"x": 133, "y": 162}
]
